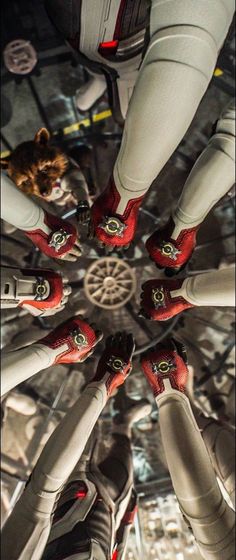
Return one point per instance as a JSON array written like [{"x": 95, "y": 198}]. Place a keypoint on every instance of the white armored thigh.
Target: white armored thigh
[
  {"x": 26, "y": 531},
  {"x": 178, "y": 65},
  {"x": 193, "y": 477},
  {"x": 212, "y": 175},
  {"x": 19, "y": 365},
  {"x": 220, "y": 443}
]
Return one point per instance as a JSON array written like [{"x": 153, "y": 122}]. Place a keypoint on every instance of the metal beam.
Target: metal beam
[
  {"x": 7, "y": 144},
  {"x": 40, "y": 106}
]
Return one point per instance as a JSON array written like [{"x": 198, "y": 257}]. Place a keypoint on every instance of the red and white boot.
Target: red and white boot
[
  {"x": 161, "y": 299},
  {"x": 111, "y": 225},
  {"x": 170, "y": 250},
  {"x": 165, "y": 367}
]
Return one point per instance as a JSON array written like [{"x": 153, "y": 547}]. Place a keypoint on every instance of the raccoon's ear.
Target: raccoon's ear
[
  {"x": 42, "y": 136},
  {"x": 4, "y": 163}
]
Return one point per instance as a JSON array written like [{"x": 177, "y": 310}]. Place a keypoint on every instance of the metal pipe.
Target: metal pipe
[
  {"x": 5, "y": 141},
  {"x": 40, "y": 107},
  {"x": 157, "y": 339},
  {"x": 137, "y": 527}
]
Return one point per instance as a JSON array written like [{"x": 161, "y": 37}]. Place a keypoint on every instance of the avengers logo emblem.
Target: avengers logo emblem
[
  {"x": 158, "y": 297},
  {"x": 58, "y": 239},
  {"x": 163, "y": 367},
  {"x": 42, "y": 289},
  {"x": 116, "y": 364},
  {"x": 79, "y": 338},
  {"x": 169, "y": 250},
  {"x": 113, "y": 226}
]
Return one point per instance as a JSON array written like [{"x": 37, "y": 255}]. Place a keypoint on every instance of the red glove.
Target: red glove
[
  {"x": 168, "y": 360},
  {"x": 115, "y": 362},
  {"x": 75, "y": 341},
  {"x": 158, "y": 301},
  {"x": 171, "y": 253},
  {"x": 56, "y": 238},
  {"x": 109, "y": 227},
  {"x": 51, "y": 292}
]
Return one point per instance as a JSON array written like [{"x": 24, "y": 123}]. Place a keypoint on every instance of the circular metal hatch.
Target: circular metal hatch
[{"x": 109, "y": 283}]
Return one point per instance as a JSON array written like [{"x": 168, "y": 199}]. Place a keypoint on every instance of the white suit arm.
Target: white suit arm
[
  {"x": 18, "y": 209},
  {"x": 19, "y": 365},
  {"x": 27, "y": 529}
]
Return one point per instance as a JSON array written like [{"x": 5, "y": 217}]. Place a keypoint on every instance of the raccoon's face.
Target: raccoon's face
[{"x": 35, "y": 166}]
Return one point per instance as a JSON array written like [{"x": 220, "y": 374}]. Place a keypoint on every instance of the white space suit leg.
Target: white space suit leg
[
  {"x": 26, "y": 530},
  {"x": 185, "y": 40},
  {"x": 18, "y": 209},
  {"x": 211, "y": 289},
  {"x": 19, "y": 365},
  {"x": 193, "y": 477},
  {"x": 211, "y": 177},
  {"x": 116, "y": 509},
  {"x": 219, "y": 439},
  {"x": 125, "y": 85}
]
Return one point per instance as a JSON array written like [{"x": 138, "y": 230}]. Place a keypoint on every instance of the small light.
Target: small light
[
  {"x": 115, "y": 555},
  {"x": 81, "y": 494},
  {"x": 109, "y": 47}
]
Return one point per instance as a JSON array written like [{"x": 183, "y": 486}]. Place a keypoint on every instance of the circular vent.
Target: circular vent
[
  {"x": 109, "y": 283},
  {"x": 20, "y": 56}
]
